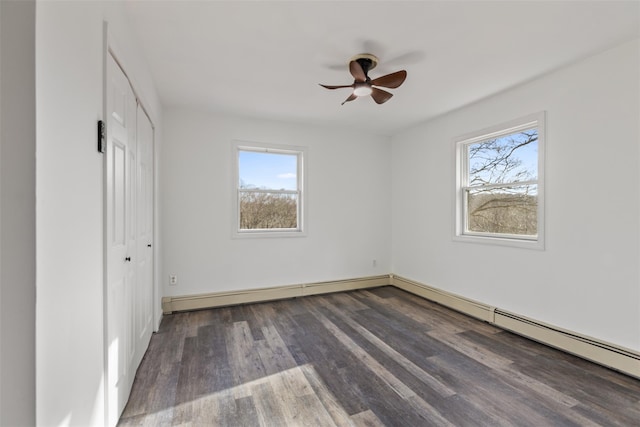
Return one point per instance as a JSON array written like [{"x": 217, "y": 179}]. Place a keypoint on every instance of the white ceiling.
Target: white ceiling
[{"x": 266, "y": 58}]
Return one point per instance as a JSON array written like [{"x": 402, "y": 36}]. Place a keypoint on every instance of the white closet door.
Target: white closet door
[
  {"x": 144, "y": 238},
  {"x": 121, "y": 154}
]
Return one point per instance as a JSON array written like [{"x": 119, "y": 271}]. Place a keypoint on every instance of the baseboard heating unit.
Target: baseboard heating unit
[{"x": 607, "y": 354}]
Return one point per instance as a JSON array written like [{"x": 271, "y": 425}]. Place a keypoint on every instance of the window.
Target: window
[
  {"x": 500, "y": 186},
  {"x": 268, "y": 188}
]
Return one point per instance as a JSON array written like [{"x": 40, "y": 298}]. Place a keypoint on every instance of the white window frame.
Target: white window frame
[
  {"x": 461, "y": 233},
  {"x": 301, "y": 153}
]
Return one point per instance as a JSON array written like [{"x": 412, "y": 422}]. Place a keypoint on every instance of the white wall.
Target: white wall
[
  {"x": 348, "y": 211},
  {"x": 587, "y": 280},
  {"x": 17, "y": 213},
  {"x": 69, "y": 324}
]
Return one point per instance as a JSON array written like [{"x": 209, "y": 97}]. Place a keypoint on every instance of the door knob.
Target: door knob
[
  {"x": 128, "y": 258},
  {"x": 149, "y": 245}
]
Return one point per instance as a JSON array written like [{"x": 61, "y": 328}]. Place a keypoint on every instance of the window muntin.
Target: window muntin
[
  {"x": 499, "y": 184},
  {"x": 268, "y": 187}
]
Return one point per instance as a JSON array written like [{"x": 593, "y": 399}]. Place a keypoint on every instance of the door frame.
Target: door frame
[{"x": 110, "y": 48}]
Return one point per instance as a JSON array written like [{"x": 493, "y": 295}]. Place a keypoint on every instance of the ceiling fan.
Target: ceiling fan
[{"x": 359, "y": 67}]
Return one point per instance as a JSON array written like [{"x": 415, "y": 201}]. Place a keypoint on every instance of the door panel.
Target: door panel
[
  {"x": 118, "y": 199},
  {"x": 120, "y": 232},
  {"x": 132, "y": 227},
  {"x": 144, "y": 236}
]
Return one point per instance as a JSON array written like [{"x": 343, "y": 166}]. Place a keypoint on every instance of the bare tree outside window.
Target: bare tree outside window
[
  {"x": 506, "y": 159},
  {"x": 265, "y": 210},
  {"x": 501, "y": 193},
  {"x": 269, "y": 189}
]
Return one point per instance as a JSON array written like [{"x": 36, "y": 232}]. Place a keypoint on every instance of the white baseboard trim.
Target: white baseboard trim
[
  {"x": 611, "y": 355},
  {"x": 465, "y": 305},
  {"x": 602, "y": 352},
  {"x": 220, "y": 299}
]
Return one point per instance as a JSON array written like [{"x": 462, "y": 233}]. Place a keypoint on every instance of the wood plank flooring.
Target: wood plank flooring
[{"x": 365, "y": 358}]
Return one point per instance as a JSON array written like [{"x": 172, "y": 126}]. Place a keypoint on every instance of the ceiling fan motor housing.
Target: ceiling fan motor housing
[{"x": 367, "y": 61}]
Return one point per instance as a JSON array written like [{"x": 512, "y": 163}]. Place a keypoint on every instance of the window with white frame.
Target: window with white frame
[
  {"x": 268, "y": 188},
  {"x": 500, "y": 187}
]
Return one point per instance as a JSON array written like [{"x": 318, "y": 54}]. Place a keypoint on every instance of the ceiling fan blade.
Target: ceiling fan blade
[
  {"x": 380, "y": 96},
  {"x": 392, "y": 80},
  {"x": 334, "y": 87},
  {"x": 350, "y": 98},
  {"x": 357, "y": 72}
]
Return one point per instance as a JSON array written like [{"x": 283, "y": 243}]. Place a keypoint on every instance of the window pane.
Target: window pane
[
  {"x": 508, "y": 158},
  {"x": 504, "y": 210},
  {"x": 260, "y": 210},
  {"x": 272, "y": 171}
]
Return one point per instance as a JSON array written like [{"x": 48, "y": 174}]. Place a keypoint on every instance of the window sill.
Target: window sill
[
  {"x": 267, "y": 234},
  {"x": 500, "y": 241}
]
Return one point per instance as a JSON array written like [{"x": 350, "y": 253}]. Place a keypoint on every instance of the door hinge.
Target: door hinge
[{"x": 101, "y": 141}]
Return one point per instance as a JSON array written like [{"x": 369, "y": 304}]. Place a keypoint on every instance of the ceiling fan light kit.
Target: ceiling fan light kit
[
  {"x": 359, "y": 67},
  {"x": 362, "y": 89}
]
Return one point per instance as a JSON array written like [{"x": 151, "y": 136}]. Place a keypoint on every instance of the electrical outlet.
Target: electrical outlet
[
  {"x": 374, "y": 263},
  {"x": 173, "y": 279}
]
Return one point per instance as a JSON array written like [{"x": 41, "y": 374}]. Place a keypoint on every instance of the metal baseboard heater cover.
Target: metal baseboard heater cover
[
  {"x": 607, "y": 354},
  {"x": 613, "y": 356},
  {"x": 610, "y": 355},
  {"x": 221, "y": 299}
]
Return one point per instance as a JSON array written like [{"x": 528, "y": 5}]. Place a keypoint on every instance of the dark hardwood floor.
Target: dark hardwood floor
[{"x": 365, "y": 358}]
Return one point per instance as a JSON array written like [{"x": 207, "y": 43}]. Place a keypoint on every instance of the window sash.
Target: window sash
[
  {"x": 464, "y": 146},
  {"x": 506, "y": 184},
  {"x": 267, "y": 190},
  {"x": 298, "y": 194},
  {"x": 461, "y": 145}
]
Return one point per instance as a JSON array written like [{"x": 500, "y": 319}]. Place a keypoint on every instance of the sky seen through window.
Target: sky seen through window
[{"x": 274, "y": 171}]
